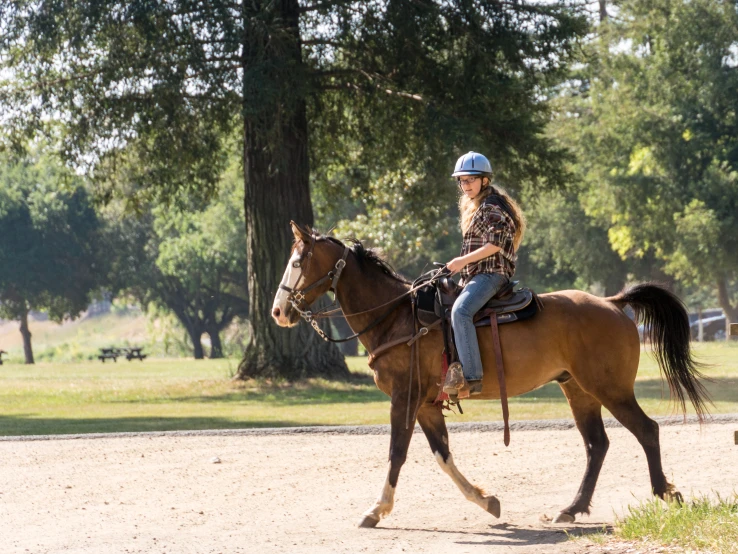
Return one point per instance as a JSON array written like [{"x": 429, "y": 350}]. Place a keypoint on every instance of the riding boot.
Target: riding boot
[
  {"x": 454, "y": 379},
  {"x": 475, "y": 387}
]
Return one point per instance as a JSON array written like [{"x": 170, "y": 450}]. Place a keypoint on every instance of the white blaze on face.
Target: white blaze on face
[{"x": 289, "y": 279}]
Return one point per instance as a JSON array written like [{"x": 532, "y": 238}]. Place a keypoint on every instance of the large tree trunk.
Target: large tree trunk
[
  {"x": 277, "y": 190},
  {"x": 26, "y": 334},
  {"x": 216, "y": 347},
  {"x": 731, "y": 312}
]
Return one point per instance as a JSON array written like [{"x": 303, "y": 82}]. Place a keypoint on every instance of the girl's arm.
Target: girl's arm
[{"x": 457, "y": 264}]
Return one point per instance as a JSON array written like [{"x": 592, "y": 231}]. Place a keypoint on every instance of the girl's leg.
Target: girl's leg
[{"x": 477, "y": 292}]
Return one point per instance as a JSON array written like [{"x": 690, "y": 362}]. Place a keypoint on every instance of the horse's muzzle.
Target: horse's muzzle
[{"x": 285, "y": 318}]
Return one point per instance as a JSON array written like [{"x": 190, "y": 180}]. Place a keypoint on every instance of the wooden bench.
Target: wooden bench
[
  {"x": 108, "y": 354},
  {"x": 734, "y": 329},
  {"x": 1, "y": 356}
]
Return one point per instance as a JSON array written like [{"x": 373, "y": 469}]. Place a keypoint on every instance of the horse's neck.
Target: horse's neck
[{"x": 360, "y": 291}]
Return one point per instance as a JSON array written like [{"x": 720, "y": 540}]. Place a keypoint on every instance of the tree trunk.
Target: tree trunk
[
  {"x": 195, "y": 334},
  {"x": 26, "y": 334},
  {"x": 216, "y": 347},
  {"x": 731, "y": 312},
  {"x": 350, "y": 348},
  {"x": 615, "y": 282},
  {"x": 603, "y": 10},
  {"x": 276, "y": 173}
]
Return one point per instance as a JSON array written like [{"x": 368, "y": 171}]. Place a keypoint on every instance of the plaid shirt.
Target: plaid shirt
[{"x": 490, "y": 224}]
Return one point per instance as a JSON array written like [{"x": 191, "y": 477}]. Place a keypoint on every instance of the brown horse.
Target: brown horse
[{"x": 585, "y": 343}]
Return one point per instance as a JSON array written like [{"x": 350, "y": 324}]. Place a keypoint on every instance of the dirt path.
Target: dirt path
[{"x": 305, "y": 493}]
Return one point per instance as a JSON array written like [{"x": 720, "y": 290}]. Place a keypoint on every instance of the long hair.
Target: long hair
[{"x": 467, "y": 207}]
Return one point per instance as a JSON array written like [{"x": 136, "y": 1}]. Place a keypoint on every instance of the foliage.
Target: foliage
[
  {"x": 700, "y": 524},
  {"x": 122, "y": 81},
  {"x": 652, "y": 121},
  {"x": 410, "y": 91},
  {"x": 50, "y": 255},
  {"x": 190, "y": 263},
  {"x": 567, "y": 249}
]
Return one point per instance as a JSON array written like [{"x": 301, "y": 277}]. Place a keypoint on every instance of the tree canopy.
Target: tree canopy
[
  {"x": 397, "y": 82},
  {"x": 190, "y": 263},
  {"x": 50, "y": 255}
]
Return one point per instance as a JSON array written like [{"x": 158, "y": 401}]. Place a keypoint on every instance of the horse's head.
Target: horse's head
[{"x": 312, "y": 259}]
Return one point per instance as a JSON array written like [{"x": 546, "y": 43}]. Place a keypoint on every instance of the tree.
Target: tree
[
  {"x": 428, "y": 82},
  {"x": 49, "y": 237},
  {"x": 164, "y": 81},
  {"x": 655, "y": 130},
  {"x": 190, "y": 263}
]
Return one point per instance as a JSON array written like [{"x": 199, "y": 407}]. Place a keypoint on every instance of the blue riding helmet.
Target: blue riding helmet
[{"x": 472, "y": 163}]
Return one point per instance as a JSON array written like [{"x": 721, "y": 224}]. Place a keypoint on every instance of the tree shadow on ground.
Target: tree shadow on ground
[
  {"x": 27, "y": 424},
  {"x": 724, "y": 389}
]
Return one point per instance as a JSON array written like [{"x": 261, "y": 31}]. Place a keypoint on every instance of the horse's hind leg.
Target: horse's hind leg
[
  {"x": 646, "y": 430},
  {"x": 399, "y": 443},
  {"x": 434, "y": 426},
  {"x": 587, "y": 412}
]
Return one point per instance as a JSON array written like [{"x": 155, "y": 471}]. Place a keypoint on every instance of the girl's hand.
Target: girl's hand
[{"x": 456, "y": 265}]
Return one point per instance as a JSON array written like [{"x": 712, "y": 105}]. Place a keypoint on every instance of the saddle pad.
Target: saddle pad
[{"x": 519, "y": 300}]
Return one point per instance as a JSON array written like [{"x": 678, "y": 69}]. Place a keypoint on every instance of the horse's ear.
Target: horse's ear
[{"x": 301, "y": 232}]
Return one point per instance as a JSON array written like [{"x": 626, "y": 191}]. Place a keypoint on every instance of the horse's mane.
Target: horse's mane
[{"x": 368, "y": 257}]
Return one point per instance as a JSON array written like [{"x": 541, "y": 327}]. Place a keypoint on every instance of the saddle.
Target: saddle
[{"x": 434, "y": 302}]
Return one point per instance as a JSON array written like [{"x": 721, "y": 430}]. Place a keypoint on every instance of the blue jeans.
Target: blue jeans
[{"x": 477, "y": 292}]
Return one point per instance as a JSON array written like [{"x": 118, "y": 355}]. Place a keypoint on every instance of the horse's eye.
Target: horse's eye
[{"x": 295, "y": 264}]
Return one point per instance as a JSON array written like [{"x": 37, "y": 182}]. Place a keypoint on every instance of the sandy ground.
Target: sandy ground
[{"x": 306, "y": 493}]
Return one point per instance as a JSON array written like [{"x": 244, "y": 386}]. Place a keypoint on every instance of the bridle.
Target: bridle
[{"x": 297, "y": 297}]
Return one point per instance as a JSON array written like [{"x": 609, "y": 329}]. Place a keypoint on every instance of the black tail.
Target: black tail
[{"x": 666, "y": 323}]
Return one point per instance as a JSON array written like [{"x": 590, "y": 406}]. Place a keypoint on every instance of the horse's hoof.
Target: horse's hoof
[
  {"x": 563, "y": 518},
  {"x": 674, "y": 496},
  {"x": 493, "y": 506},
  {"x": 369, "y": 522}
]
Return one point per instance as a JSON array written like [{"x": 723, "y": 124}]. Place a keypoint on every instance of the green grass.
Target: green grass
[
  {"x": 165, "y": 394},
  {"x": 701, "y": 524}
]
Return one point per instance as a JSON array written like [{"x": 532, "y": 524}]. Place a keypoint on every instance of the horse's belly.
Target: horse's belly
[{"x": 533, "y": 355}]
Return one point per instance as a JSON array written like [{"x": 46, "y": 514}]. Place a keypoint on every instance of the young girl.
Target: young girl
[{"x": 492, "y": 224}]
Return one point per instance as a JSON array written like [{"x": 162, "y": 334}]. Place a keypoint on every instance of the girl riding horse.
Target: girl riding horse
[{"x": 493, "y": 226}]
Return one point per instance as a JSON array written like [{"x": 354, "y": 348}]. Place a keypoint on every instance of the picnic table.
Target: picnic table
[
  {"x": 132, "y": 353},
  {"x": 114, "y": 353},
  {"x": 109, "y": 353},
  {"x": 1, "y": 356}
]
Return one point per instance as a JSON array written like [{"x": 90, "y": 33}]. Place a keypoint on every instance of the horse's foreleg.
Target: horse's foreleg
[
  {"x": 399, "y": 442},
  {"x": 434, "y": 426},
  {"x": 587, "y": 412}
]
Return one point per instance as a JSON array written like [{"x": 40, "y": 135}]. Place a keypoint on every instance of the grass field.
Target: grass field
[{"x": 161, "y": 394}]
